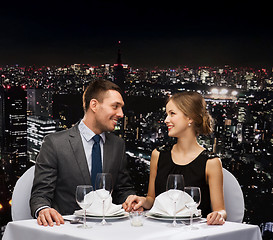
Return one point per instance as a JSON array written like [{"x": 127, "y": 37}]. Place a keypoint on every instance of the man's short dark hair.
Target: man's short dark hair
[{"x": 96, "y": 90}]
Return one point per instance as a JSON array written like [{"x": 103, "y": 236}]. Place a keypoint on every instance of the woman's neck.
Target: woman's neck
[
  {"x": 188, "y": 144},
  {"x": 185, "y": 151}
]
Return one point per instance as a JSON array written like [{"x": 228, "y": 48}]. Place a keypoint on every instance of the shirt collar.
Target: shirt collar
[{"x": 87, "y": 133}]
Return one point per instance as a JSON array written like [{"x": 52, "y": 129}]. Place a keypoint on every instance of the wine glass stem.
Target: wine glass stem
[
  {"x": 103, "y": 214},
  {"x": 174, "y": 214},
  {"x": 191, "y": 212},
  {"x": 84, "y": 220}
]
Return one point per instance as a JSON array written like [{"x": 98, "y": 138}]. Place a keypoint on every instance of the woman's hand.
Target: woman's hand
[
  {"x": 134, "y": 203},
  {"x": 215, "y": 218}
]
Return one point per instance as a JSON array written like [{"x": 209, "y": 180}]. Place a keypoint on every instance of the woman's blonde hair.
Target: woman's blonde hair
[{"x": 193, "y": 105}]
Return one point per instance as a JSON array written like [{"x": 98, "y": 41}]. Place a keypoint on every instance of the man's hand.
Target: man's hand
[
  {"x": 133, "y": 203},
  {"x": 48, "y": 216}
]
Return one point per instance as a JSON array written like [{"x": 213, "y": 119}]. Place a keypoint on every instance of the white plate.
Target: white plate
[
  {"x": 169, "y": 218},
  {"x": 117, "y": 216}
]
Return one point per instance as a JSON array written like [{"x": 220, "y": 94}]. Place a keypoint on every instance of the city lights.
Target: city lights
[
  {"x": 223, "y": 91},
  {"x": 214, "y": 91},
  {"x": 234, "y": 93},
  {"x": 239, "y": 100}
]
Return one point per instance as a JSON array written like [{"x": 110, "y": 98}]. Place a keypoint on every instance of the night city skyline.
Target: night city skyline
[
  {"x": 39, "y": 101},
  {"x": 42, "y": 100}
]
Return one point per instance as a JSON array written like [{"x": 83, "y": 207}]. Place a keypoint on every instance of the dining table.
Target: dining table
[{"x": 152, "y": 229}]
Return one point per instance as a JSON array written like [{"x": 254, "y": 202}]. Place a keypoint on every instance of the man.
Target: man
[{"x": 65, "y": 158}]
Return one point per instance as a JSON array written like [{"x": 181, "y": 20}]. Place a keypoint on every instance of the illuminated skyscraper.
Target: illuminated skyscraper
[
  {"x": 239, "y": 131},
  {"x": 13, "y": 124},
  {"x": 242, "y": 104},
  {"x": 119, "y": 76},
  {"x": 38, "y": 128},
  {"x": 40, "y": 119},
  {"x": 40, "y": 102}
]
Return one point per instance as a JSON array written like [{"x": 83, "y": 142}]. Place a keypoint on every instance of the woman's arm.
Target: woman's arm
[{"x": 214, "y": 175}]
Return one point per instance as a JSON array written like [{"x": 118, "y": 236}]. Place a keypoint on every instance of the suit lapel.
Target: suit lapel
[
  {"x": 107, "y": 153},
  {"x": 79, "y": 154}
]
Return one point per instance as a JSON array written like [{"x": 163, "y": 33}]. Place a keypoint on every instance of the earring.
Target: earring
[{"x": 189, "y": 124}]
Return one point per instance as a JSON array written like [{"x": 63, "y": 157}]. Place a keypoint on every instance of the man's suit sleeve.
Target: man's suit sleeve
[
  {"x": 124, "y": 186},
  {"x": 45, "y": 177}
]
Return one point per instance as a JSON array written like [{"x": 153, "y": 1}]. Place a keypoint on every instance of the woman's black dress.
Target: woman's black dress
[{"x": 194, "y": 175}]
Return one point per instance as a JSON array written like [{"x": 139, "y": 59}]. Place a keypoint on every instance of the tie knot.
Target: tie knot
[{"x": 96, "y": 138}]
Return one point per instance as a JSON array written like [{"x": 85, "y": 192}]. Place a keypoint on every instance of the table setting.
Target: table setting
[
  {"x": 163, "y": 208},
  {"x": 111, "y": 210},
  {"x": 176, "y": 204},
  {"x": 174, "y": 215},
  {"x": 98, "y": 204}
]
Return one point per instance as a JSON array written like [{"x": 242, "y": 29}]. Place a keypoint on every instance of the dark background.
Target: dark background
[{"x": 167, "y": 33}]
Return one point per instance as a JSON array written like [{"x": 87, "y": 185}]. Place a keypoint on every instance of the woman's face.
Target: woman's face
[{"x": 176, "y": 121}]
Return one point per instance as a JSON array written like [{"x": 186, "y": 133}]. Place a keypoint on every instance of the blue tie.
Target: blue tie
[{"x": 96, "y": 160}]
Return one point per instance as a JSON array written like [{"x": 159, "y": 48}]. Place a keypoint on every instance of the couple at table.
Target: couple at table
[{"x": 65, "y": 158}]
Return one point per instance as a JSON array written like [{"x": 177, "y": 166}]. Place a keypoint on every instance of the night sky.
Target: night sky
[{"x": 164, "y": 34}]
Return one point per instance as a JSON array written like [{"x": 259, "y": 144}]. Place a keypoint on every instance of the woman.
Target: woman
[{"x": 187, "y": 117}]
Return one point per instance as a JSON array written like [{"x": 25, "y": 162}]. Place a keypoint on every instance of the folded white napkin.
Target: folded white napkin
[
  {"x": 96, "y": 209},
  {"x": 164, "y": 204}
]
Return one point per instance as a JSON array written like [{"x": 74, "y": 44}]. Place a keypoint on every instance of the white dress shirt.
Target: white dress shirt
[{"x": 86, "y": 135}]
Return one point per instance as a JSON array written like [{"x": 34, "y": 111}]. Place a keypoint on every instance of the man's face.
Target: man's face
[{"x": 109, "y": 111}]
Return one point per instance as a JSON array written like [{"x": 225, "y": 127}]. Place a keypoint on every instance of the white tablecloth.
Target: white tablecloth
[{"x": 121, "y": 229}]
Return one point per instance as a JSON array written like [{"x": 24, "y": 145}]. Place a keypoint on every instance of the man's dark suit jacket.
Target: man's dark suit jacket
[{"x": 61, "y": 165}]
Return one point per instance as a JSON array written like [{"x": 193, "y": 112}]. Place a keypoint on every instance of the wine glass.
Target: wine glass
[
  {"x": 195, "y": 194},
  {"x": 175, "y": 188},
  {"x": 104, "y": 188},
  {"x": 84, "y": 201}
]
